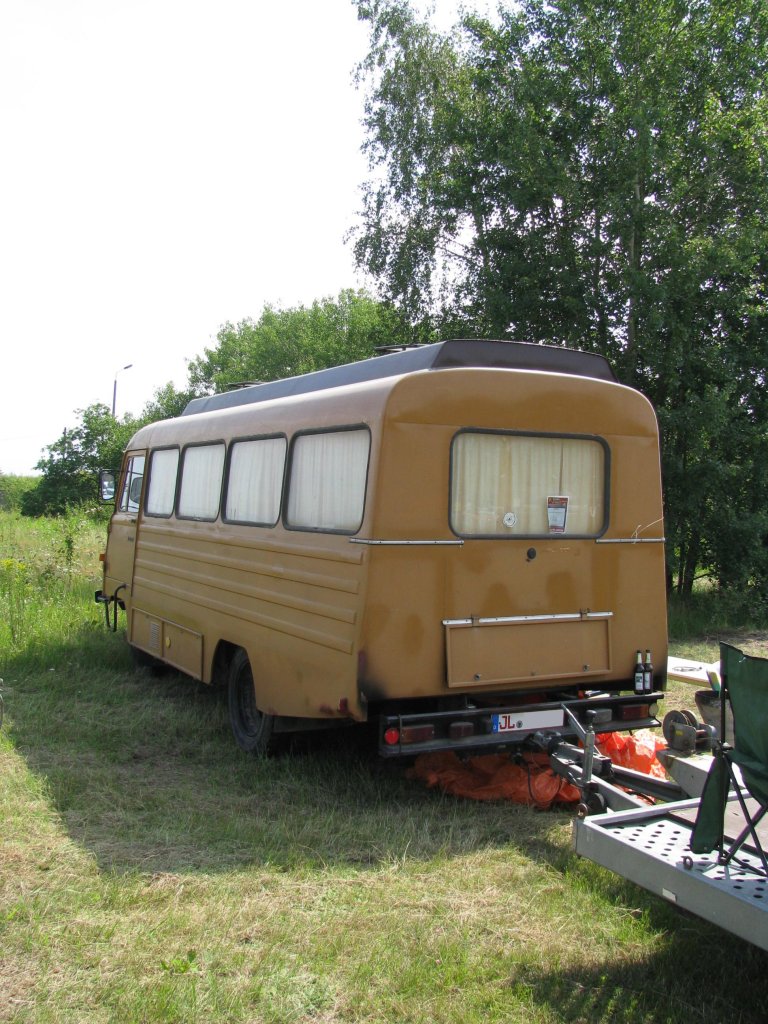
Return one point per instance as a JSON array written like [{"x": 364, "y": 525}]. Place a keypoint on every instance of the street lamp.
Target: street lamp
[{"x": 114, "y": 388}]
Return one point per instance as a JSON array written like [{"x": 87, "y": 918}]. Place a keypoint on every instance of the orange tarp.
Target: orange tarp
[
  {"x": 528, "y": 778},
  {"x": 496, "y": 777},
  {"x": 637, "y": 751}
]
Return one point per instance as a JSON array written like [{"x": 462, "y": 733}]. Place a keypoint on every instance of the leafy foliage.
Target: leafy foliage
[
  {"x": 70, "y": 467},
  {"x": 167, "y": 402},
  {"x": 13, "y": 488},
  {"x": 281, "y": 343},
  {"x": 288, "y": 342},
  {"x": 594, "y": 174}
]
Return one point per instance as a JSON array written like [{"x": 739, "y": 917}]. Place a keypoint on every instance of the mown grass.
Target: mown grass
[{"x": 151, "y": 872}]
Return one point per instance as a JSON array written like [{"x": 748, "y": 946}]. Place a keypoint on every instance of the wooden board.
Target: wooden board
[{"x": 698, "y": 673}]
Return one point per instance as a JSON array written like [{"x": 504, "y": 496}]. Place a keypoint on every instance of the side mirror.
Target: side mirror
[
  {"x": 107, "y": 483},
  {"x": 134, "y": 491}
]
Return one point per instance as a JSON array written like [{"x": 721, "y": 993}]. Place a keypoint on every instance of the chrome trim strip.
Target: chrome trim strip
[
  {"x": 407, "y": 543},
  {"x": 631, "y": 540},
  {"x": 507, "y": 619}
]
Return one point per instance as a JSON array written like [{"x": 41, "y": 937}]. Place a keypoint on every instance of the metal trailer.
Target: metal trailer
[{"x": 650, "y": 845}]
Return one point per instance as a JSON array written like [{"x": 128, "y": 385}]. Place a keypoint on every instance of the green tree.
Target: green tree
[
  {"x": 71, "y": 464},
  {"x": 166, "y": 402},
  {"x": 13, "y": 488},
  {"x": 281, "y": 343},
  {"x": 288, "y": 342},
  {"x": 594, "y": 174}
]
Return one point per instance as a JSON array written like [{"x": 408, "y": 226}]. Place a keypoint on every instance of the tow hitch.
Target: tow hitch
[{"x": 603, "y": 784}]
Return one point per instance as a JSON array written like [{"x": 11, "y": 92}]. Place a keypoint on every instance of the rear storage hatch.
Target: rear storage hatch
[{"x": 528, "y": 650}]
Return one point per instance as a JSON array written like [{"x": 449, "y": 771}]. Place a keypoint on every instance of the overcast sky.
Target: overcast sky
[{"x": 167, "y": 166}]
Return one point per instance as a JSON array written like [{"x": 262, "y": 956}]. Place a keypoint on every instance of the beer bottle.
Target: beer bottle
[
  {"x": 639, "y": 673},
  {"x": 648, "y": 674}
]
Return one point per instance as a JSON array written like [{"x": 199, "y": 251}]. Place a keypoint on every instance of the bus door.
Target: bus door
[{"x": 121, "y": 542}]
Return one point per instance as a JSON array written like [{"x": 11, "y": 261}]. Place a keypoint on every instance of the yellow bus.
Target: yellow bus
[{"x": 455, "y": 541}]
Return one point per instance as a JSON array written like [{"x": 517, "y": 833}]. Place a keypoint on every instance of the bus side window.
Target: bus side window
[
  {"x": 161, "y": 490},
  {"x": 132, "y": 480},
  {"x": 255, "y": 481},
  {"x": 328, "y": 477},
  {"x": 202, "y": 469}
]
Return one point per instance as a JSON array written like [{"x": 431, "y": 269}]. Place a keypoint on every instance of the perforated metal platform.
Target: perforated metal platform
[{"x": 651, "y": 847}]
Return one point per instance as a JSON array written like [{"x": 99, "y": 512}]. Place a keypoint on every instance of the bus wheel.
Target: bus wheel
[{"x": 252, "y": 728}]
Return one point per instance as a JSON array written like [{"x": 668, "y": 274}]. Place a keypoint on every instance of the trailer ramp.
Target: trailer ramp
[{"x": 651, "y": 847}]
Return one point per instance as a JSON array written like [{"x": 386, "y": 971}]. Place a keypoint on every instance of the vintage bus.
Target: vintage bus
[{"x": 456, "y": 541}]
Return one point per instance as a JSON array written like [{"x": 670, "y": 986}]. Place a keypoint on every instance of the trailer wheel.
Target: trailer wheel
[
  {"x": 252, "y": 728},
  {"x": 591, "y": 803}
]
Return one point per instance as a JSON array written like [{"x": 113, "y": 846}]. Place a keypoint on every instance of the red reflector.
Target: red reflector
[
  {"x": 392, "y": 736},
  {"x": 631, "y": 711},
  {"x": 460, "y": 729},
  {"x": 102, "y": 556},
  {"x": 417, "y": 733}
]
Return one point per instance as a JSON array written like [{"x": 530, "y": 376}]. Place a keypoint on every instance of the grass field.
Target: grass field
[{"x": 149, "y": 871}]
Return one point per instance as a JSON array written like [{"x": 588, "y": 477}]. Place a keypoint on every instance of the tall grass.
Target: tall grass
[
  {"x": 149, "y": 871},
  {"x": 709, "y": 613},
  {"x": 45, "y": 566}
]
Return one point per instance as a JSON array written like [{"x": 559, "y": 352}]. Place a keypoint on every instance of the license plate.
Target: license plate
[{"x": 523, "y": 721}]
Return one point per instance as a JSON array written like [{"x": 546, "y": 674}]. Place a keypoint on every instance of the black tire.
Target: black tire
[{"x": 252, "y": 729}]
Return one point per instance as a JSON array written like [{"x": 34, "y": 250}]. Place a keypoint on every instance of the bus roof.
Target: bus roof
[{"x": 508, "y": 355}]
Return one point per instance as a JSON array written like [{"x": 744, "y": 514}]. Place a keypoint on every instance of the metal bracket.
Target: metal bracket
[{"x": 114, "y": 601}]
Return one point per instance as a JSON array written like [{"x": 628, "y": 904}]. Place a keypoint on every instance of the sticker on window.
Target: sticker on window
[{"x": 557, "y": 513}]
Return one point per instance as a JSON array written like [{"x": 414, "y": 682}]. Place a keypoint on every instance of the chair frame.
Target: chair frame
[{"x": 727, "y": 850}]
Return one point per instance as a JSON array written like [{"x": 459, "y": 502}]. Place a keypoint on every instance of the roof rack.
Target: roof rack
[{"x": 508, "y": 355}]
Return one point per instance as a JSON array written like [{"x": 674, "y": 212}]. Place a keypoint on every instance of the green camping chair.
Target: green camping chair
[{"x": 744, "y": 683}]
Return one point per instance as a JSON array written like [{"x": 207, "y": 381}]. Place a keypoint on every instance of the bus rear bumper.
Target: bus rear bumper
[{"x": 491, "y": 729}]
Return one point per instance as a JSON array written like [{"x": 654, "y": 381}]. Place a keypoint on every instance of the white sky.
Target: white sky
[{"x": 166, "y": 166}]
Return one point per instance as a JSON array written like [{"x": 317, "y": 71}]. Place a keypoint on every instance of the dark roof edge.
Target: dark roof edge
[{"x": 508, "y": 355}]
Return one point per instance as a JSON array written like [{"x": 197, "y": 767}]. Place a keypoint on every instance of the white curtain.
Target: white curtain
[
  {"x": 201, "y": 481},
  {"x": 162, "y": 482},
  {"x": 256, "y": 480},
  {"x": 328, "y": 475},
  {"x": 502, "y": 484}
]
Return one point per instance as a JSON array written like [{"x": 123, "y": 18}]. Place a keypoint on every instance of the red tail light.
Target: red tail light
[
  {"x": 417, "y": 733},
  {"x": 629, "y": 712},
  {"x": 459, "y": 730}
]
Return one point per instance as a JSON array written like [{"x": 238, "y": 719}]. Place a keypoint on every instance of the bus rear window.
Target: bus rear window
[
  {"x": 327, "y": 481},
  {"x": 527, "y": 485}
]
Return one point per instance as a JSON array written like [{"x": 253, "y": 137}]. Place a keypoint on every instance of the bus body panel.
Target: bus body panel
[
  {"x": 407, "y": 608},
  {"x": 293, "y": 607},
  {"x": 122, "y": 533},
  {"x": 613, "y": 584}
]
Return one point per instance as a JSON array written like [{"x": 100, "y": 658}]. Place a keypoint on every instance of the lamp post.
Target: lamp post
[{"x": 114, "y": 387}]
